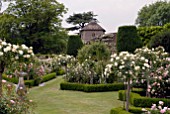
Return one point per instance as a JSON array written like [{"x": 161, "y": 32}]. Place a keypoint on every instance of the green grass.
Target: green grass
[{"x": 51, "y": 100}]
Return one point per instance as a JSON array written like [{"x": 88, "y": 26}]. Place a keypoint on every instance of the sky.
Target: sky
[{"x": 111, "y": 13}]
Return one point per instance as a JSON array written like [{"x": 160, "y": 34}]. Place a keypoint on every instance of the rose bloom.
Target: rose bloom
[
  {"x": 12, "y": 101},
  {"x": 162, "y": 111}
]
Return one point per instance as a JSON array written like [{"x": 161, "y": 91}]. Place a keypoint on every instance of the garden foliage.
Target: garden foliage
[
  {"x": 128, "y": 39},
  {"x": 74, "y": 44}
]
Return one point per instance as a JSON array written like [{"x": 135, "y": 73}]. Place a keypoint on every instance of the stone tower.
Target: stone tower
[{"x": 91, "y": 31}]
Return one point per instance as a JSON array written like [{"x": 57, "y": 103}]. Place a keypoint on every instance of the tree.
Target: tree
[
  {"x": 156, "y": 14},
  {"x": 79, "y": 20},
  {"x": 35, "y": 19},
  {"x": 161, "y": 39},
  {"x": 73, "y": 45},
  {"x": 128, "y": 39}
]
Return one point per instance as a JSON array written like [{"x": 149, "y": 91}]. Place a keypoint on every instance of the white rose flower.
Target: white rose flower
[
  {"x": 137, "y": 68},
  {"x": 117, "y": 58},
  {"x": 24, "y": 46},
  {"x": 0, "y": 46},
  {"x": 115, "y": 64},
  {"x": 7, "y": 49},
  {"x": 4, "y": 43},
  {"x": 1, "y": 53},
  {"x": 142, "y": 58},
  {"x": 20, "y": 52},
  {"x": 146, "y": 65},
  {"x": 16, "y": 57}
]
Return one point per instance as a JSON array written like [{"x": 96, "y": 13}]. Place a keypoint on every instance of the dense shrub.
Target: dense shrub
[
  {"x": 74, "y": 44},
  {"x": 146, "y": 33},
  {"x": 91, "y": 88},
  {"x": 128, "y": 39},
  {"x": 60, "y": 71},
  {"x": 95, "y": 51},
  {"x": 48, "y": 77},
  {"x": 118, "y": 111},
  {"x": 161, "y": 39}
]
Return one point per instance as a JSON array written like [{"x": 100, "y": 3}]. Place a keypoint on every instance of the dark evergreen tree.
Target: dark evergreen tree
[
  {"x": 73, "y": 45},
  {"x": 128, "y": 39}
]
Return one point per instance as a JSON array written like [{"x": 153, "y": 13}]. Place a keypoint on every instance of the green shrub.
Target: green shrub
[
  {"x": 128, "y": 39},
  {"x": 118, "y": 111},
  {"x": 29, "y": 83},
  {"x": 48, "y": 77},
  {"x": 13, "y": 79},
  {"x": 91, "y": 87},
  {"x": 74, "y": 44},
  {"x": 60, "y": 71},
  {"x": 161, "y": 39},
  {"x": 96, "y": 51},
  {"x": 146, "y": 33}
]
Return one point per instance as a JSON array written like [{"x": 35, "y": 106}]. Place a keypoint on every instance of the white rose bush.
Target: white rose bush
[
  {"x": 10, "y": 53},
  {"x": 145, "y": 65},
  {"x": 10, "y": 102}
]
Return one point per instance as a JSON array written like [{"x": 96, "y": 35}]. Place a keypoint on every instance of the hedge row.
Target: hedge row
[
  {"x": 139, "y": 101},
  {"x": 48, "y": 77},
  {"x": 91, "y": 88},
  {"x": 118, "y": 111},
  {"x": 31, "y": 83}
]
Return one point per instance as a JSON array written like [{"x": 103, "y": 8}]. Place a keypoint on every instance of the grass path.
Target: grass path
[{"x": 51, "y": 100}]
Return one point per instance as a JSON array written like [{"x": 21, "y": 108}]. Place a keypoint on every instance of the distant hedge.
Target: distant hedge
[
  {"x": 31, "y": 83},
  {"x": 92, "y": 88},
  {"x": 128, "y": 39}
]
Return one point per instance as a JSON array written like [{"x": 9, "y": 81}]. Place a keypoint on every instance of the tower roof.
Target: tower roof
[{"x": 93, "y": 26}]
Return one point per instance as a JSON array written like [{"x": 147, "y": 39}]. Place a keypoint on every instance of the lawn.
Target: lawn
[{"x": 51, "y": 100}]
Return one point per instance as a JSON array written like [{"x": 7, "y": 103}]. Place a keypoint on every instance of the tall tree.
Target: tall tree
[
  {"x": 35, "y": 19},
  {"x": 79, "y": 20},
  {"x": 156, "y": 14}
]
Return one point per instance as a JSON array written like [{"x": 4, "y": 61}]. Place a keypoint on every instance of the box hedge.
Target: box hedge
[
  {"x": 91, "y": 88},
  {"x": 139, "y": 101},
  {"x": 118, "y": 110},
  {"x": 29, "y": 83},
  {"x": 48, "y": 77}
]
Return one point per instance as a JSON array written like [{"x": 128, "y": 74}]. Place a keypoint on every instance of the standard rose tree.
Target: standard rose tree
[{"x": 10, "y": 53}]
